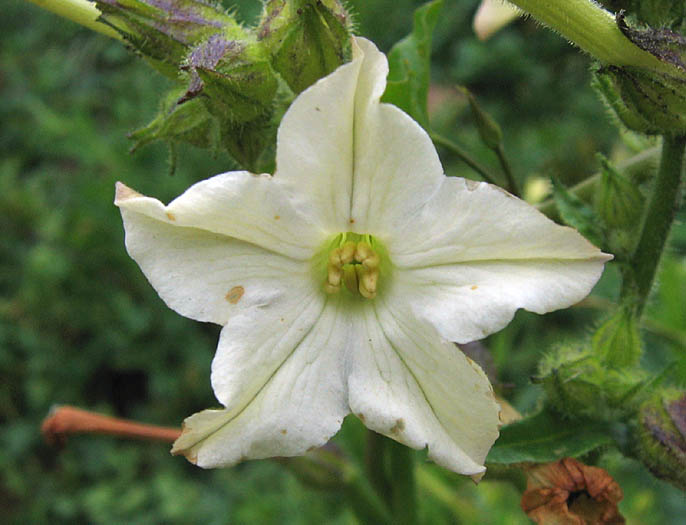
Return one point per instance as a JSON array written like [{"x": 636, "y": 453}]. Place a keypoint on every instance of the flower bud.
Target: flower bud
[
  {"x": 306, "y": 39},
  {"x": 661, "y": 435},
  {"x": 234, "y": 74},
  {"x": 579, "y": 385},
  {"x": 489, "y": 130},
  {"x": 163, "y": 31},
  {"x": 648, "y": 100}
]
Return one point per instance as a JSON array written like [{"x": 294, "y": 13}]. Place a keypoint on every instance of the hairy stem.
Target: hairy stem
[
  {"x": 593, "y": 29},
  {"x": 657, "y": 221}
]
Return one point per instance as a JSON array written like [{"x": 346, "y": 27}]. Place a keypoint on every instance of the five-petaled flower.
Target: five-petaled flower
[{"x": 341, "y": 281}]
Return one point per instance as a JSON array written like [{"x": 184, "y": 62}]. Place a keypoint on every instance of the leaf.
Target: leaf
[
  {"x": 409, "y": 63},
  {"x": 577, "y": 214},
  {"x": 547, "y": 437}
]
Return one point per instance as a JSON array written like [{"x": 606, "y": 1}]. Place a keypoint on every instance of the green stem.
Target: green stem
[
  {"x": 404, "y": 501},
  {"x": 375, "y": 456},
  {"x": 363, "y": 499},
  {"x": 466, "y": 157},
  {"x": 636, "y": 168},
  {"x": 657, "y": 221},
  {"x": 79, "y": 11},
  {"x": 593, "y": 29},
  {"x": 513, "y": 187}
]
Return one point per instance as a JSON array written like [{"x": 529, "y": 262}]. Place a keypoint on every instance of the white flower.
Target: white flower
[{"x": 341, "y": 280}]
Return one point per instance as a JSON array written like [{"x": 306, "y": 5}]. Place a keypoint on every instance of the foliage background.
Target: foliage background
[{"x": 80, "y": 325}]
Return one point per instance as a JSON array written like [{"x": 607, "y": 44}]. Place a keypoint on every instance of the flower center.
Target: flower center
[{"x": 353, "y": 262}]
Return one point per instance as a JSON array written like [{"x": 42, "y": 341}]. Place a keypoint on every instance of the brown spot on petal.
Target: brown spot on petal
[
  {"x": 474, "y": 287},
  {"x": 472, "y": 184},
  {"x": 284, "y": 431},
  {"x": 277, "y": 217},
  {"x": 123, "y": 192},
  {"x": 352, "y": 221},
  {"x": 171, "y": 216},
  {"x": 398, "y": 427},
  {"x": 361, "y": 417},
  {"x": 235, "y": 294}
]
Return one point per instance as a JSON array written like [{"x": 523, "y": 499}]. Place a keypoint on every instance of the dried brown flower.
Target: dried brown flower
[{"x": 568, "y": 492}]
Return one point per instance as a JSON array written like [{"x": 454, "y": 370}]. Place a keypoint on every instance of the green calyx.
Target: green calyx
[{"x": 354, "y": 262}]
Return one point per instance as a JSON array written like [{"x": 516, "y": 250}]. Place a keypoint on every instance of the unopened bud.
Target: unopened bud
[
  {"x": 164, "y": 31},
  {"x": 234, "y": 74},
  {"x": 306, "y": 39},
  {"x": 579, "y": 385},
  {"x": 661, "y": 435},
  {"x": 648, "y": 100},
  {"x": 489, "y": 130}
]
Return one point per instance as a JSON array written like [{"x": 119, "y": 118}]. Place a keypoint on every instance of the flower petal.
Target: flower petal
[
  {"x": 205, "y": 276},
  {"x": 254, "y": 208},
  {"x": 408, "y": 384},
  {"x": 282, "y": 384},
  {"x": 396, "y": 168},
  {"x": 475, "y": 254},
  {"x": 315, "y": 145}
]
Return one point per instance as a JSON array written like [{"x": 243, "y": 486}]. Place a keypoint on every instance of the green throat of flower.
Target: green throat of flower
[{"x": 354, "y": 262}]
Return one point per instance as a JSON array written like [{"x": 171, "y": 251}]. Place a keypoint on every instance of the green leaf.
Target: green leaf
[
  {"x": 577, "y": 214},
  {"x": 409, "y": 63},
  {"x": 547, "y": 437}
]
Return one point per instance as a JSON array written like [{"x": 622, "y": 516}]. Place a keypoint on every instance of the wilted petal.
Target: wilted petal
[
  {"x": 475, "y": 254},
  {"x": 408, "y": 384},
  {"x": 292, "y": 401}
]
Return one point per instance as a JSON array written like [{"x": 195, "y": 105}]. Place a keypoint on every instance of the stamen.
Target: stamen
[{"x": 354, "y": 264}]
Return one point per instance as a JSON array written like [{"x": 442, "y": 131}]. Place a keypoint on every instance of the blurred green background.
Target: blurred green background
[{"x": 80, "y": 325}]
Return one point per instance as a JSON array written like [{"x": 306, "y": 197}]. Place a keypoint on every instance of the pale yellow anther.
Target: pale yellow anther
[
  {"x": 363, "y": 251},
  {"x": 334, "y": 275},
  {"x": 368, "y": 280},
  {"x": 348, "y": 252},
  {"x": 355, "y": 265}
]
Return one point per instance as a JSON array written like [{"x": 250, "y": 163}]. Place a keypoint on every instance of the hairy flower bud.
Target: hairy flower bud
[
  {"x": 163, "y": 30},
  {"x": 661, "y": 435},
  {"x": 579, "y": 385},
  {"x": 307, "y": 39},
  {"x": 647, "y": 100},
  {"x": 234, "y": 74}
]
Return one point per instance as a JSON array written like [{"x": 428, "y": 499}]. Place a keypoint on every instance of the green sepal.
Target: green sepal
[
  {"x": 306, "y": 39},
  {"x": 409, "y": 65},
  {"x": 619, "y": 203},
  {"x": 617, "y": 343},
  {"x": 577, "y": 213},
  {"x": 547, "y": 436},
  {"x": 646, "y": 101},
  {"x": 188, "y": 121}
]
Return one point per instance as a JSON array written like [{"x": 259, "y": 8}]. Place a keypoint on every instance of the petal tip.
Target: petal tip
[{"x": 123, "y": 193}]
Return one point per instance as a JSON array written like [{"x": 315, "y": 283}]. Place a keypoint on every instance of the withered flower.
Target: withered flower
[{"x": 568, "y": 492}]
